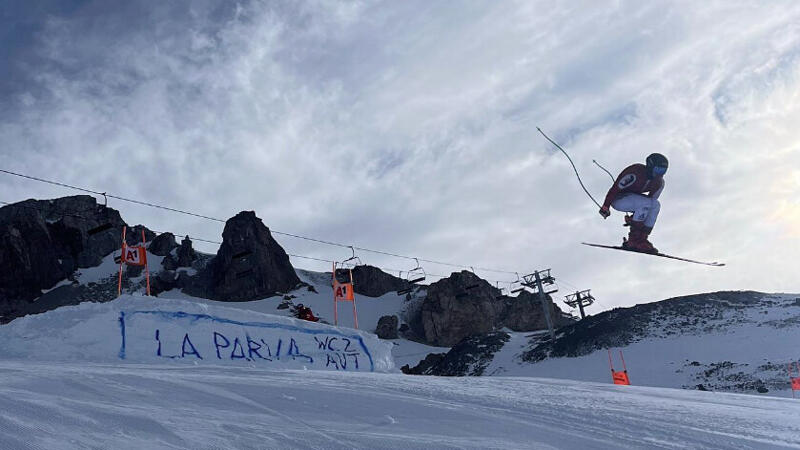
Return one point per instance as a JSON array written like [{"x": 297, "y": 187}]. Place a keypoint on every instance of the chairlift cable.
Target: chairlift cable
[{"x": 215, "y": 219}]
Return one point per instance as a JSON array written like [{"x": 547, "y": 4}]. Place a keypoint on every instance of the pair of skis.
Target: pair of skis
[{"x": 662, "y": 255}]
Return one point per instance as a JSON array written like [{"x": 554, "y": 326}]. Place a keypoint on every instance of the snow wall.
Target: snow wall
[{"x": 136, "y": 329}]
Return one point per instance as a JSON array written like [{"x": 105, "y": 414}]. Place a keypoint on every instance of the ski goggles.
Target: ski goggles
[{"x": 659, "y": 170}]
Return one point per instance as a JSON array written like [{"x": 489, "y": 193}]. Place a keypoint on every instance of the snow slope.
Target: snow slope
[
  {"x": 148, "y": 329},
  {"x": 320, "y": 300},
  {"x": 175, "y": 373},
  {"x": 113, "y": 406},
  {"x": 742, "y": 348}
]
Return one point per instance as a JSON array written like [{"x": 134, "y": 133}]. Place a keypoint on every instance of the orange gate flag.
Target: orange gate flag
[
  {"x": 795, "y": 381},
  {"x": 619, "y": 377},
  {"x": 134, "y": 256},
  {"x": 343, "y": 292}
]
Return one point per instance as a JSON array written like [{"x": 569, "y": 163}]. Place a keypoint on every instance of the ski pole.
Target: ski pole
[
  {"x": 573, "y": 166},
  {"x": 604, "y": 169}
]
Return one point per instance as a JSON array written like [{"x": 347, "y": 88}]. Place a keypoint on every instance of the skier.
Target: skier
[
  {"x": 628, "y": 195},
  {"x": 304, "y": 313}
]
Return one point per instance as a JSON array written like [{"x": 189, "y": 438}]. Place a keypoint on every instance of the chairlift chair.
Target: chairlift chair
[
  {"x": 475, "y": 285},
  {"x": 413, "y": 277},
  {"x": 518, "y": 283},
  {"x": 500, "y": 294}
]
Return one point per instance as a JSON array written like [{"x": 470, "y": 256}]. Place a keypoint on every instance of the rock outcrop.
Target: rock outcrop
[
  {"x": 45, "y": 241},
  {"x": 464, "y": 305},
  {"x": 470, "y": 357},
  {"x": 186, "y": 254},
  {"x": 250, "y": 264},
  {"x": 387, "y": 327},
  {"x": 524, "y": 313},
  {"x": 162, "y": 244},
  {"x": 460, "y": 306}
]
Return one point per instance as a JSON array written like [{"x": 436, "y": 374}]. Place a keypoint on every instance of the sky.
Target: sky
[{"x": 410, "y": 127}]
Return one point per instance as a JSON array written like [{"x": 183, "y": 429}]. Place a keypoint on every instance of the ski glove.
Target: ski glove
[{"x": 604, "y": 211}]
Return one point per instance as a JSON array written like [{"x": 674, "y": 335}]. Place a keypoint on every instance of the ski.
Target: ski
[{"x": 617, "y": 247}]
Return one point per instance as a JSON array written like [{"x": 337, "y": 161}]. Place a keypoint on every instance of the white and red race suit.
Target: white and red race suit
[{"x": 628, "y": 194}]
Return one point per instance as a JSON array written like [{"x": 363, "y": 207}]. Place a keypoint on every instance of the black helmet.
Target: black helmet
[{"x": 657, "y": 164}]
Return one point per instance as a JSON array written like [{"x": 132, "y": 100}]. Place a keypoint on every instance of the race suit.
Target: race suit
[{"x": 634, "y": 192}]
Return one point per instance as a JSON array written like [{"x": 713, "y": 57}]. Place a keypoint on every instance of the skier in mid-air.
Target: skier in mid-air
[{"x": 636, "y": 190}]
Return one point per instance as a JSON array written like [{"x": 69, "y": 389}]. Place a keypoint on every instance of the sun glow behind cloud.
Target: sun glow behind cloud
[{"x": 410, "y": 126}]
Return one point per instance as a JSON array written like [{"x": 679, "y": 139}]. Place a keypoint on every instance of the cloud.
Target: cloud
[{"x": 410, "y": 127}]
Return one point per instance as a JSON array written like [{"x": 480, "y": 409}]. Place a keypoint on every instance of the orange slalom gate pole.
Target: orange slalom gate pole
[
  {"x": 355, "y": 315},
  {"x": 121, "y": 262},
  {"x": 335, "y": 304},
  {"x": 146, "y": 267}
]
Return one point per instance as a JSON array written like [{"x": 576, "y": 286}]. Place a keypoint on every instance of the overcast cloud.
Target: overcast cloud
[{"x": 410, "y": 127}]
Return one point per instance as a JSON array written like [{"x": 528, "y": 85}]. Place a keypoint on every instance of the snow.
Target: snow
[
  {"x": 100, "y": 272},
  {"x": 69, "y": 382},
  {"x": 140, "y": 329},
  {"x": 128, "y": 406},
  {"x": 369, "y": 310},
  {"x": 749, "y": 339}
]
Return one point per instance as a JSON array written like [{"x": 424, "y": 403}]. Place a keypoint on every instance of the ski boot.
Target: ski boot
[{"x": 637, "y": 239}]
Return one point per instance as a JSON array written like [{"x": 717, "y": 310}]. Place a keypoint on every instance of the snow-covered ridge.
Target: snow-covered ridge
[
  {"x": 728, "y": 341},
  {"x": 139, "y": 329}
]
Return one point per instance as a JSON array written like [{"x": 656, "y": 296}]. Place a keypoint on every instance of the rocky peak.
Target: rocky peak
[
  {"x": 186, "y": 254},
  {"x": 250, "y": 264},
  {"x": 162, "y": 244},
  {"x": 459, "y": 306},
  {"x": 464, "y": 305}
]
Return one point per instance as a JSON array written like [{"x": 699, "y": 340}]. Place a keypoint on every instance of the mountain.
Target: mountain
[
  {"x": 152, "y": 372},
  {"x": 62, "y": 252},
  {"x": 720, "y": 341}
]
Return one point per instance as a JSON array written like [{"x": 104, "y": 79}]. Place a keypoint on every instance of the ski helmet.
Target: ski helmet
[{"x": 657, "y": 164}]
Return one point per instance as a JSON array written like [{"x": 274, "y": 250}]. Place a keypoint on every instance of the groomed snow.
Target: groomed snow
[{"x": 111, "y": 406}]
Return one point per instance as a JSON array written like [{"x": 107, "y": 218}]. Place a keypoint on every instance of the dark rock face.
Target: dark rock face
[
  {"x": 169, "y": 263},
  {"x": 430, "y": 361},
  {"x": 387, "y": 327},
  {"x": 465, "y": 305},
  {"x": 524, "y": 313},
  {"x": 186, "y": 254},
  {"x": 250, "y": 264},
  {"x": 470, "y": 357},
  {"x": 373, "y": 282},
  {"x": 163, "y": 281},
  {"x": 460, "y": 306},
  {"x": 45, "y": 241},
  {"x": 162, "y": 244},
  {"x": 133, "y": 235}
]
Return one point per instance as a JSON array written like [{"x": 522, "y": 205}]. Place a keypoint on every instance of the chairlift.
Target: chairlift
[
  {"x": 100, "y": 229},
  {"x": 476, "y": 284},
  {"x": 518, "y": 283},
  {"x": 347, "y": 264},
  {"x": 412, "y": 277},
  {"x": 417, "y": 274},
  {"x": 353, "y": 257},
  {"x": 500, "y": 294}
]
